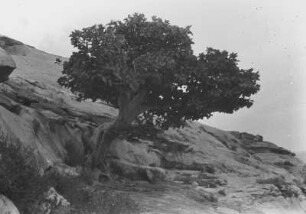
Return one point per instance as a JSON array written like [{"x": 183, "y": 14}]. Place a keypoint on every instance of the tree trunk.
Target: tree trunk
[
  {"x": 129, "y": 109},
  {"x": 102, "y": 140}
]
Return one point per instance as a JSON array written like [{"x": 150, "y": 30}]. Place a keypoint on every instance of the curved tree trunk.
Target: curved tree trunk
[
  {"x": 129, "y": 109},
  {"x": 102, "y": 139}
]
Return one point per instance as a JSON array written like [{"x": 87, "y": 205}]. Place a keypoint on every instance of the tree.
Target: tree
[{"x": 148, "y": 68}]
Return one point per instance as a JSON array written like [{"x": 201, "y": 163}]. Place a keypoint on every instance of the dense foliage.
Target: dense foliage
[
  {"x": 19, "y": 180},
  {"x": 148, "y": 67}
]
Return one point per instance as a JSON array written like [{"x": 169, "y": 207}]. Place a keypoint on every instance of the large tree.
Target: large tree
[{"x": 148, "y": 68}]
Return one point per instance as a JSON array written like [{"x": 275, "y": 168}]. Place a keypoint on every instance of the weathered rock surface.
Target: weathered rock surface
[
  {"x": 37, "y": 117},
  {"x": 7, "y": 65},
  {"x": 7, "y": 206},
  {"x": 195, "y": 169}
]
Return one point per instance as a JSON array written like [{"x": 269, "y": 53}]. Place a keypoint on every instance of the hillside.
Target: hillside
[{"x": 196, "y": 169}]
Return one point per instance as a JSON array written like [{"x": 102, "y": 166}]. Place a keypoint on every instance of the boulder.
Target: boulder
[
  {"x": 7, "y": 65},
  {"x": 267, "y": 147},
  {"x": 7, "y": 206},
  {"x": 138, "y": 172},
  {"x": 139, "y": 152}
]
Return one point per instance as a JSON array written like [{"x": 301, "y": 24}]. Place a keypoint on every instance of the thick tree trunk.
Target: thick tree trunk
[
  {"x": 129, "y": 109},
  {"x": 102, "y": 139}
]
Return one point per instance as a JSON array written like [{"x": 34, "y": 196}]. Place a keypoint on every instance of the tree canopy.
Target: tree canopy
[{"x": 147, "y": 67}]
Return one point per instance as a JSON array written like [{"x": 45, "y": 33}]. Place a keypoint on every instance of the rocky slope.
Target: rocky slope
[{"x": 197, "y": 169}]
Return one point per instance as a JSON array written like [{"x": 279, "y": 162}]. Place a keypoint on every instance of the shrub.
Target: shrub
[
  {"x": 109, "y": 202},
  {"x": 19, "y": 181},
  {"x": 88, "y": 200},
  {"x": 210, "y": 169},
  {"x": 222, "y": 192}
]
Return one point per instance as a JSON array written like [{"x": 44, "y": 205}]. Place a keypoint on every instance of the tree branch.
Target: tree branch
[{"x": 130, "y": 106}]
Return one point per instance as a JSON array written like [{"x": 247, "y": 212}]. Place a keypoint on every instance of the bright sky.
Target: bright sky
[{"x": 268, "y": 35}]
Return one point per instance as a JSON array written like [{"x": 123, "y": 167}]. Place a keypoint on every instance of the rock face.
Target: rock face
[
  {"x": 6, "y": 206},
  {"x": 37, "y": 117},
  {"x": 7, "y": 65}
]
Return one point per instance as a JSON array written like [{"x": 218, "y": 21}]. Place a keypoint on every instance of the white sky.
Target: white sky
[{"x": 268, "y": 35}]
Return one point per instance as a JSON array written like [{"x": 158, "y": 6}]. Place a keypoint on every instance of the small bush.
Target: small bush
[
  {"x": 85, "y": 200},
  {"x": 210, "y": 169},
  {"x": 222, "y": 192},
  {"x": 19, "y": 181},
  {"x": 58, "y": 60},
  {"x": 108, "y": 202}
]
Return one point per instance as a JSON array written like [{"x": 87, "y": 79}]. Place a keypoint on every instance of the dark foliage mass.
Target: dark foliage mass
[
  {"x": 147, "y": 67},
  {"x": 19, "y": 180}
]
